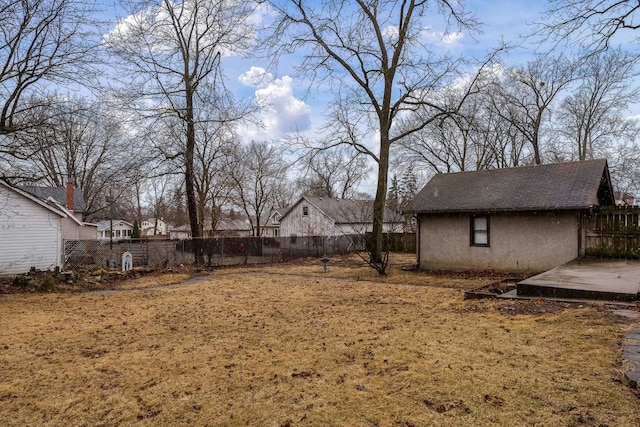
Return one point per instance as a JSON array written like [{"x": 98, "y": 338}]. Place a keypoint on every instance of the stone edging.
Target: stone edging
[{"x": 631, "y": 357}]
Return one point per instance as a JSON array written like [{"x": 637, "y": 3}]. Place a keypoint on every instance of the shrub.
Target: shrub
[{"x": 22, "y": 281}]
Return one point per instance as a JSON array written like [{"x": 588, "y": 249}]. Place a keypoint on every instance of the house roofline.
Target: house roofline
[
  {"x": 32, "y": 198},
  {"x": 66, "y": 211},
  {"x": 532, "y": 209}
]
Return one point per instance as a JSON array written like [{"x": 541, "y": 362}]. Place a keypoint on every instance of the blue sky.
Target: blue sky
[
  {"x": 294, "y": 99},
  {"x": 291, "y": 103}
]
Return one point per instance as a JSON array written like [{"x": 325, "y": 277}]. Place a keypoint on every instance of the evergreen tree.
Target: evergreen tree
[
  {"x": 135, "y": 234},
  {"x": 393, "y": 197},
  {"x": 408, "y": 188}
]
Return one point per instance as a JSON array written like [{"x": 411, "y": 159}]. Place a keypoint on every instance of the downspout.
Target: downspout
[
  {"x": 60, "y": 246},
  {"x": 418, "y": 227},
  {"x": 581, "y": 234}
]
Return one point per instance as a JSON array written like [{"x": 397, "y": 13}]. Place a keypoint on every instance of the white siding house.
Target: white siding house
[
  {"x": 70, "y": 201},
  {"x": 270, "y": 223},
  {"x": 122, "y": 229},
  {"x": 30, "y": 232},
  {"x": 153, "y": 227},
  {"x": 323, "y": 216}
]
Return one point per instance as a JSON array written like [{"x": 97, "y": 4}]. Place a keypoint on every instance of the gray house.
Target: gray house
[{"x": 528, "y": 218}]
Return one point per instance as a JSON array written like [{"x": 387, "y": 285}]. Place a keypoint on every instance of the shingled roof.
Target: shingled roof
[
  {"x": 574, "y": 185},
  {"x": 59, "y": 194},
  {"x": 344, "y": 211}
]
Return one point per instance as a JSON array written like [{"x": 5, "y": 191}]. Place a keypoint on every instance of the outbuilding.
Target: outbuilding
[{"x": 529, "y": 218}]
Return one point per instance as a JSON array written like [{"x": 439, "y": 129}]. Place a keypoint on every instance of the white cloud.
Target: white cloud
[
  {"x": 452, "y": 38},
  {"x": 153, "y": 28},
  {"x": 391, "y": 32},
  {"x": 256, "y": 77},
  {"x": 442, "y": 38},
  {"x": 281, "y": 111}
]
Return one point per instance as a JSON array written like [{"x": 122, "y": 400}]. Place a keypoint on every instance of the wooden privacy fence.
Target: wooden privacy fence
[{"x": 614, "y": 233}]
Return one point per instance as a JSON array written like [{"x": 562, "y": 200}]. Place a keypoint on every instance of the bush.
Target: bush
[
  {"x": 22, "y": 281},
  {"x": 47, "y": 284}
]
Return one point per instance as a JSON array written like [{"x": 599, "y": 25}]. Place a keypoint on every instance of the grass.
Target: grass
[
  {"x": 255, "y": 348},
  {"x": 400, "y": 271}
]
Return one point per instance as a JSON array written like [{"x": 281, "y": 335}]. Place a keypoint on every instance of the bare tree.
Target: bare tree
[
  {"x": 42, "y": 42},
  {"x": 157, "y": 189},
  {"x": 82, "y": 142},
  {"x": 172, "y": 55},
  {"x": 590, "y": 119},
  {"x": 215, "y": 161},
  {"x": 334, "y": 173},
  {"x": 593, "y": 24},
  {"x": 624, "y": 163},
  {"x": 527, "y": 94},
  {"x": 478, "y": 136},
  {"x": 259, "y": 175},
  {"x": 375, "y": 54}
]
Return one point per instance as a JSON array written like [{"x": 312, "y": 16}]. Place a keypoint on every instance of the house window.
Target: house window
[
  {"x": 480, "y": 230},
  {"x": 275, "y": 232},
  {"x": 305, "y": 210}
]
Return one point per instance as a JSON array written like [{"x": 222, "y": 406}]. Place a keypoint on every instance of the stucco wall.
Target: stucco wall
[
  {"x": 518, "y": 242},
  {"x": 72, "y": 231}
]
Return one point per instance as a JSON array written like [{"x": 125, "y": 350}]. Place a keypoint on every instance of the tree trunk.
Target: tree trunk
[
  {"x": 192, "y": 206},
  {"x": 379, "y": 203},
  {"x": 535, "y": 140}
]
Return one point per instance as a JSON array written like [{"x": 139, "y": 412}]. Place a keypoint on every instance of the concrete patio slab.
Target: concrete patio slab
[{"x": 586, "y": 278}]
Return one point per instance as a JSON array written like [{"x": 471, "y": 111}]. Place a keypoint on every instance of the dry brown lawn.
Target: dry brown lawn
[
  {"x": 399, "y": 271},
  {"x": 264, "y": 349}
]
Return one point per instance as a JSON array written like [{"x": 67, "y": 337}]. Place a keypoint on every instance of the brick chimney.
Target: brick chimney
[{"x": 70, "y": 196}]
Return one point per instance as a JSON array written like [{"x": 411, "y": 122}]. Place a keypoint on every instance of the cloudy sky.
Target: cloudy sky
[{"x": 288, "y": 103}]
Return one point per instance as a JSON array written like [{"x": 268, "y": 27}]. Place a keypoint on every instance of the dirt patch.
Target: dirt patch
[
  {"x": 542, "y": 307},
  {"x": 100, "y": 279},
  {"x": 492, "y": 290}
]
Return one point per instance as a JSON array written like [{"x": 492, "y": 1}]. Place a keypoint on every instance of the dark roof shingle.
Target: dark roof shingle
[
  {"x": 345, "y": 211},
  {"x": 575, "y": 185},
  {"x": 59, "y": 194}
]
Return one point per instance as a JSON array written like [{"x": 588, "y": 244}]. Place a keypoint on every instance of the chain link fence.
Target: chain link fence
[{"x": 213, "y": 252}]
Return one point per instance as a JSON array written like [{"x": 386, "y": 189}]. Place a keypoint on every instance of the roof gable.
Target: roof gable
[
  {"x": 575, "y": 185},
  {"x": 343, "y": 211},
  {"x": 105, "y": 224},
  {"x": 33, "y": 199}
]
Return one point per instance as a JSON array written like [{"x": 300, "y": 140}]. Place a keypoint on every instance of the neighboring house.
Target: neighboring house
[
  {"x": 122, "y": 229},
  {"x": 233, "y": 228},
  {"x": 70, "y": 200},
  {"x": 624, "y": 199},
  {"x": 515, "y": 219},
  {"x": 33, "y": 231},
  {"x": 270, "y": 223},
  {"x": 323, "y": 216},
  {"x": 153, "y": 227},
  {"x": 225, "y": 228},
  {"x": 180, "y": 233}
]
